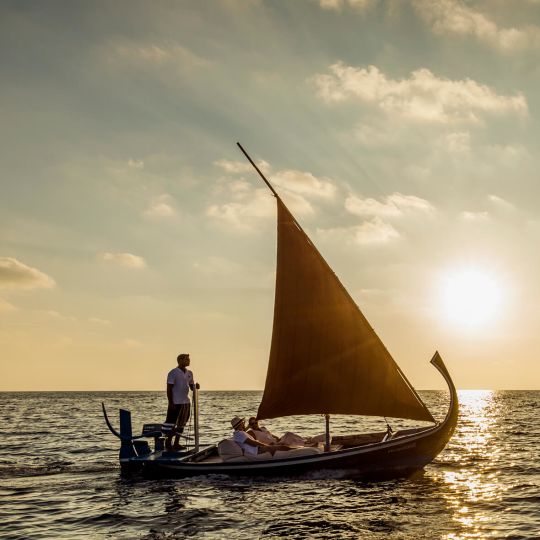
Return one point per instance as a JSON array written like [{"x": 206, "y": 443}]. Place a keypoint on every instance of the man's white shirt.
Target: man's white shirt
[
  {"x": 240, "y": 437},
  {"x": 180, "y": 382}
]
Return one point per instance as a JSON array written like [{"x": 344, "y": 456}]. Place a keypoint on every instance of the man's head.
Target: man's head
[
  {"x": 253, "y": 423},
  {"x": 183, "y": 360},
  {"x": 238, "y": 423}
]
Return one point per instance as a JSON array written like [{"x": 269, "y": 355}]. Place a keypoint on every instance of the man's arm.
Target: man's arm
[
  {"x": 192, "y": 386},
  {"x": 254, "y": 442},
  {"x": 169, "y": 393}
]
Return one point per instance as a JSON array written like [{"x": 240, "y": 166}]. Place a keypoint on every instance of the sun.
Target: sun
[{"x": 471, "y": 297}]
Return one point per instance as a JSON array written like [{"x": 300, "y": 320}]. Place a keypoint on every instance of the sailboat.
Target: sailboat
[{"x": 325, "y": 358}]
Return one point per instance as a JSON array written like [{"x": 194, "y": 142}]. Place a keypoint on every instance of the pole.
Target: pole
[
  {"x": 258, "y": 170},
  {"x": 327, "y": 441},
  {"x": 196, "y": 416}
]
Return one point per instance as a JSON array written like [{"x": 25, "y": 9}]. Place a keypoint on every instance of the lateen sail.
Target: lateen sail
[{"x": 325, "y": 357}]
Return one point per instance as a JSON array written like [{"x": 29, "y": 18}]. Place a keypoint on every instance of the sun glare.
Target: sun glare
[{"x": 471, "y": 297}]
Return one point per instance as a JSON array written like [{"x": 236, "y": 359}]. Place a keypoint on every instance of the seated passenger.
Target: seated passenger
[
  {"x": 260, "y": 432},
  {"x": 249, "y": 445}
]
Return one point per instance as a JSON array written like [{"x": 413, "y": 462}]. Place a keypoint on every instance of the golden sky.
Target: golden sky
[{"x": 402, "y": 135}]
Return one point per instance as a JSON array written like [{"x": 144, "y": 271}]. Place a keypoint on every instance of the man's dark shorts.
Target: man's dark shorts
[{"x": 178, "y": 414}]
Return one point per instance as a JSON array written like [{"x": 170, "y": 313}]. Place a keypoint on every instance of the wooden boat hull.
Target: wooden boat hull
[{"x": 399, "y": 456}]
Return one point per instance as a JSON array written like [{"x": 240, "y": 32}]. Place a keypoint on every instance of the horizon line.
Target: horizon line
[{"x": 261, "y": 389}]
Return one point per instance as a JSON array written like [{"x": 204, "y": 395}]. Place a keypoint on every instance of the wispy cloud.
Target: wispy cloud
[
  {"x": 304, "y": 183},
  {"x": 168, "y": 55},
  {"x": 236, "y": 167},
  {"x": 337, "y": 5},
  {"x": 135, "y": 163},
  {"x": 455, "y": 17},
  {"x": 421, "y": 97},
  {"x": 97, "y": 320},
  {"x": 394, "y": 205},
  {"x": 243, "y": 214},
  {"x": 55, "y": 315},
  {"x": 6, "y": 306},
  {"x": 457, "y": 142},
  {"x": 16, "y": 275},
  {"x": 474, "y": 217},
  {"x": 127, "y": 260},
  {"x": 373, "y": 231},
  {"x": 500, "y": 203},
  {"x": 160, "y": 207}
]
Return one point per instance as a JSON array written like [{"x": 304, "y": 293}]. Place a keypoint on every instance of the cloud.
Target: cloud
[
  {"x": 124, "y": 259},
  {"x": 236, "y": 167},
  {"x": 501, "y": 203},
  {"x": 394, "y": 205},
  {"x": 455, "y": 17},
  {"x": 166, "y": 55},
  {"x": 135, "y": 163},
  {"x": 250, "y": 205},
  {"x": 422, "y": 97},
  {"x": 16, "y": 275},
  {"x": 255, "y": 204},
  {"x": 304, "y": 183},
  {"x": 56, "y": 315},
  {"x": 457, "y": 142},
  {"x": 476, "y": 217},
  {"x": 337, "y": 5},
  {"x": 300, "y": 182},
  {"x": 374, "y": 231},
  {"x": 6, "y": 306},
  {"x": 97, "y": 320},
  {"x": 160, "y": 207}
]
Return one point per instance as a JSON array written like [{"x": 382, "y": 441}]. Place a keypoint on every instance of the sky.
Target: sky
[{"x": 403, "y": 135}]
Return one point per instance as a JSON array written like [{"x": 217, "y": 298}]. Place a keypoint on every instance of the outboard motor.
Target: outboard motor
[{"x": 130, "y": 448}]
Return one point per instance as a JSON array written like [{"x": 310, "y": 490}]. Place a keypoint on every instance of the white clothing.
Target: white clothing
[
  {"x": 240, "y": 437},
  {"x": 263, "y": 435},
  {"x": 180, "y": 382},
  {"x": 292, "y": 439}
]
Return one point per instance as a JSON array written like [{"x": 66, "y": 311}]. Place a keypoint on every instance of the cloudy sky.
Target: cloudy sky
[{"x": 403, "y": 136}]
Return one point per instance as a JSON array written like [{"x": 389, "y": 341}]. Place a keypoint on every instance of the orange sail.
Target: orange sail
[{"x": 325, "y": 357}]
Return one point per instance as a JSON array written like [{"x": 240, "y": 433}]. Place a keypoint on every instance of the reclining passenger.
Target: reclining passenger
[
  {"x": 249, "y": 444},
  {"x": 260, "y": 432},
  {"x": 288, "y": 439}
]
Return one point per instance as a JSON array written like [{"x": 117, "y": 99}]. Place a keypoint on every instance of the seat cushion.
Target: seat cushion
[
  {"x": 297, "y": 452},
  {"x": 228, "y": 449}
]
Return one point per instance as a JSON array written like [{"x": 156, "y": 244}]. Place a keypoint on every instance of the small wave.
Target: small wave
[
  {"x": 524, "y": 499},
  {"x": 54, "y": 468},
  {"x": 91, "y": 450}
]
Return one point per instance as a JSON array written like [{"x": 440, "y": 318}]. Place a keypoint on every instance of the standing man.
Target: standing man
[{"x": 179, "y": 383}]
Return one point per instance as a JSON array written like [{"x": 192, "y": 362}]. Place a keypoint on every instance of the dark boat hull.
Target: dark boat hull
[{"x": 399, "y": 456}]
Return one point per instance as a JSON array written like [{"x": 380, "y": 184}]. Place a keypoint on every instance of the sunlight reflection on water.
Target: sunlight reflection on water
[{"x": 468, "y": 487}]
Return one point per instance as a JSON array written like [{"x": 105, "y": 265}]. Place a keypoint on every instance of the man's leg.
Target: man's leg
[
  {"x": 181, "y": 421},
  {"x": 169, "y": 425}
]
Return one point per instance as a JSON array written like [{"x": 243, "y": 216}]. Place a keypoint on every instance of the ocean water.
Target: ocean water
[{"x": 59, "y": 476}]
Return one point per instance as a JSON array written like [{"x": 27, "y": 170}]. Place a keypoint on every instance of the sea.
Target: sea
[{"x": 60, "y": 478}]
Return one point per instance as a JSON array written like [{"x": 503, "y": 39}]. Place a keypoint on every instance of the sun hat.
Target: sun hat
[{"x": 235, "y": 421}]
